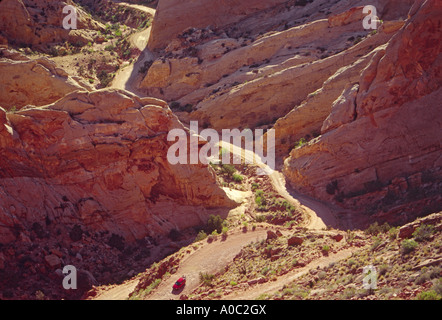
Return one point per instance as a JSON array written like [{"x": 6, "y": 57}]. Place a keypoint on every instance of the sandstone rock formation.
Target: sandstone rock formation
[
  {"x": 38, "y": 23},
  {"x": 173, "y": 17},
  {"x": 380, "y": 145},
  {"x": 33, "y": 81},
  {"x": 99, "y": 160},
  {"x": 230, "y": 75}
]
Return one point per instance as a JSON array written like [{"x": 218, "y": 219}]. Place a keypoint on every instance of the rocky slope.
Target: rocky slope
[
  {"x": 299, "y": 264},
  {"x": 89, "y": 174},
  {"x": 379, "y": 148},
  {"x": 40, "y": 24},
  {"x": 173, "y": 17},
  {"x": 241, "y": 65}
]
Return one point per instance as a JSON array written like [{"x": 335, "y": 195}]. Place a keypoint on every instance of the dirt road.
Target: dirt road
[
  {"x": 126, "y": 78},
  {"x": 318, "y": 214},
  {"x": 270, "y": 287},
  {"x": 211, "y": 257}
]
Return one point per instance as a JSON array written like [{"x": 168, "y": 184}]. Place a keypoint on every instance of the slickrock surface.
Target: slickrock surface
[{"x": 33, "y": 81}]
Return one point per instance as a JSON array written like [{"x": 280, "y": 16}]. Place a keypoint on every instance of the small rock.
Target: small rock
[
  {"x": 406, "y": 231},
  {"x": 295, "y": 241},
  {"x": 53, "y": 261},
  {"x": 338, "y": 237},
  {"x": 271, "y": 235}
]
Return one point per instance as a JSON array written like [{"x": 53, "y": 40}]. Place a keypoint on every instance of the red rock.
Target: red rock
[
  {"x": 364, "y": 155},
  {"x": 295, "y": 240},
  {"x": 271, "y": 235},
  {"x": 100, "y": 159},
  {"x": 53, "y": 261},
  {"x": 338, "y": 237}
]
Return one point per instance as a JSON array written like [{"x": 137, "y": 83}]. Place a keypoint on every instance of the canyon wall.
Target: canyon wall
[{"x": 379, "y": 148}]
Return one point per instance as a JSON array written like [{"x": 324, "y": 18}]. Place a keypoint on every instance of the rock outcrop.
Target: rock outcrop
[
  {"x": 380, "y": 146},
  {"x": 174, "y": 16},
  {"x": 38, "y": 23},
  {"x": 260, "y": 68},
  {"x": 99, "y": 160},
  {"x": 33, "y": 81}
]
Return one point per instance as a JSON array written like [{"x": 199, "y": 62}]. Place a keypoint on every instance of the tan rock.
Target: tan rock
[
  {"x": 39, "y": 23},
  {"x": 36, "y": 82}
]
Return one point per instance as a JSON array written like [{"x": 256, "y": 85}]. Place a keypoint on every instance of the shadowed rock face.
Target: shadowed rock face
[
  {"x": 99, "y": 160},
  {"x": 380, "y": 146},
  {"x": 173, "y": 17},
  {"x": 37, "y": 23}
]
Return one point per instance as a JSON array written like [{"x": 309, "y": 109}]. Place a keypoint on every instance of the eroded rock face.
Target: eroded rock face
[
  {"x": 33, "y": 81},
  {"x": 173, "y": 17},
  {"x": 99, "y": 160},
  {"x": 380, "y": 146},
  {"x": 36, "y": 23},
  {"x": 254, "y": 71}
]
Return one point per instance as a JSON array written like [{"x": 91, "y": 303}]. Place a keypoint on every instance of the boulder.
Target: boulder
[{"x": 295, "y": 241}]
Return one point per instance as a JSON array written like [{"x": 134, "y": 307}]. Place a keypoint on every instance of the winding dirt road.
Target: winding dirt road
[
  {"x": 211, "y": 257},
  {"x": 126, "y": 78}
]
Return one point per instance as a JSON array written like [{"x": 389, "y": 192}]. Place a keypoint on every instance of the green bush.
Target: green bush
[
  {"x": 215, "y": 223},
  {"x": 201, "y": 236},
  {"x": 206, "y": 278},
  {"x": 375, "y": 228},
  {"x": 237, "y": 177},
  {"x": 408, "y": 246},
  {"x": 228, "y": 168},
  {"x": 423, "y": 233},
  {"x": 429, "y": 295}
]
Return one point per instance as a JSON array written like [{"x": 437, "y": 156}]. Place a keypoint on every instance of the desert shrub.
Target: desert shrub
[
  {"x": 408, "y": 246},
  {"x": 423, "y": 233},
  {"x": 105, "y": 78},
  {"x": 228, "y": 168},
  {"x": 215, "y": 223},
  {"x": 300, "y": 143},
  {"x": 201, "y": 236},
  {"x": 375, "y": 228},
  {"x": 429, "y": 295},
  {"x": 206, "y": 278},
  {"x": 237, "y": 177}
]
